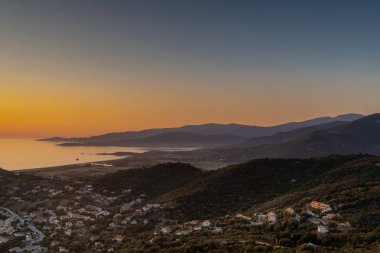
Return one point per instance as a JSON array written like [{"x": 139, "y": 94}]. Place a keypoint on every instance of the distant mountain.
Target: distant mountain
[
  {"x": 284, "y": 137},
  {"x": 348, "y": 117},
  {"x": 170, "y": 139},
  {"x": 360, "y": 136},
  {"x": 322, "y": 120},
  {"x": 230, "y": 132},
  {"x": 256, "y": 131}
]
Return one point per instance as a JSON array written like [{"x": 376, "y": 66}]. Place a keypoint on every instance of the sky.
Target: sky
[{"x": 75, "y": 67}]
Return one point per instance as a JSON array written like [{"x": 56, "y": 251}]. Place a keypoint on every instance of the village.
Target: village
[
  {"x": 72, "y": 211},
  {"x": 320, "y": 215}
]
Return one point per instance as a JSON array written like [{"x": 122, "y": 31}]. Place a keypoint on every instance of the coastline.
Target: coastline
[{"x": 98, "y": 168}]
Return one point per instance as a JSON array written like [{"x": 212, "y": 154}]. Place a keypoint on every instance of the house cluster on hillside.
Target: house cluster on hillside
[
  {"x": 319, "y": 214},
  {"x": 79, "y": 210},
  {"x": 259, "y": 218},
  {"x": 70, "y": 210},
  {"x": 16, "y": 227},
  {"x": 323, "y": 216},
  {"x": 324, "y": 208},
  {"x": 194, "y": 226}
]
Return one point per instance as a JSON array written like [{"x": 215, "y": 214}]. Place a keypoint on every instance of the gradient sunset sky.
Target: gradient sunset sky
[{"x": 75, "y": 67}]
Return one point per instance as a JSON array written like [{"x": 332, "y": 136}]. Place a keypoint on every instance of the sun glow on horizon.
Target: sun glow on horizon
[{"x": 70, "y": 70}]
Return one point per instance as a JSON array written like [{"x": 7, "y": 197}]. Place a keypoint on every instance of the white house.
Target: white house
[
  {"x": 272, "y": 217},
  {"x": 166, "y": 230},
  {"x": 322, "y": 229},
  {"x": 118, "y": 238},
  {"x": 206, "y": 224},
  {"x": 197, "y": 228},
  {"x": 261, "y": 218}
]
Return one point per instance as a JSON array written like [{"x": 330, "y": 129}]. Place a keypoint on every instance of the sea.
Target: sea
[{"x": 20, "y": 153}]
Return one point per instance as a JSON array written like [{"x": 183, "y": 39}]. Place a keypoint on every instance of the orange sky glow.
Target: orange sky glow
[{"x": 70, "y": 68}]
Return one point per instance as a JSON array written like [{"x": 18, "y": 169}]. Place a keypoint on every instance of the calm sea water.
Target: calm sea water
[{"x": 17, "y": 154}]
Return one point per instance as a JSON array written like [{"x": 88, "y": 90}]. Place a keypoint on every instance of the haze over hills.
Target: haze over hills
[
  {"x": 196, "y": 135},
  {"x": 284, "y": 137},
  {"x": 359, "y": 136}
]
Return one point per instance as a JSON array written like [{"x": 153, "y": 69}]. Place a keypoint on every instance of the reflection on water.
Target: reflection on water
[{"x": 18, "y": 154}]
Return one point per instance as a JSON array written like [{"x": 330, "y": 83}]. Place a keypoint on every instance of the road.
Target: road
[
  {"x": 12, "y": 214},
  {"x": 39, "y": 236}
]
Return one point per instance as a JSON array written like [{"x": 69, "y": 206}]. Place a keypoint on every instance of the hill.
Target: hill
[
  {"x": 4, "y": 172},
  {"x": 242, "y": 186},
  {"x": 352, "y": 188},
  {"x": 179, "y": 197},
  {"x": 153, "y": 181},
  {"x": 268, "y": 183},
  {"x": 349, "y": 184},
  {"x": 358, "y": 137},
  {"x": 284, "y": 137}
]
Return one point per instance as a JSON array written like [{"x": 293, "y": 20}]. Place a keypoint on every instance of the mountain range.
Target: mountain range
[
  {"x": 207, "y": 135},
  {"x": 359, "y": 136},
  {"x": 284, "y": 137}
]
